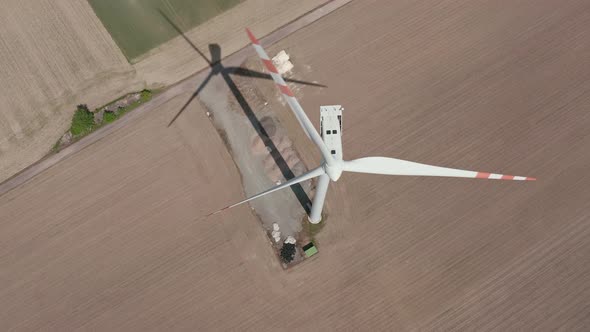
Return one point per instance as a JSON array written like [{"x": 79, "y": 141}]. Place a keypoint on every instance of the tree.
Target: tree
[
  {"x": 288, "y": 252},
  {"x": 83, "y": 121}
]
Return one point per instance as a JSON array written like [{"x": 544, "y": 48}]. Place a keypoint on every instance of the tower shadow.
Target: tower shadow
[{"x": 217, "y": 68}]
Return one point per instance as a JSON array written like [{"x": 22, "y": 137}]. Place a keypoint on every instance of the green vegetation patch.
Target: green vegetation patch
[
  {"x": 137, "y": 26},
  {"x": 109, "y": 117},
  {"x": 83, "y": 121},
  {"x": 117, "y": 112}
]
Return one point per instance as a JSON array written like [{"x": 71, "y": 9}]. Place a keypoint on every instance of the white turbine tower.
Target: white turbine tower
[{"x": 329, "y": 143}]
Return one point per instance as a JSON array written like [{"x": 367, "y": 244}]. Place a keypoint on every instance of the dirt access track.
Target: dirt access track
[
  {"x": 113, "y": 238},
  {"x": 56, "y": 54}
]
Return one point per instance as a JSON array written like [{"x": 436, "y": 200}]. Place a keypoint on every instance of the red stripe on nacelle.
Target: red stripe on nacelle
[
  {"x": 482, "y": 175},
  {"x": 270, "y": 66},
  {"x": 507, "y": 177},
  {"x": 285, "y": 90},
  {"x": 252, "y": 38}
]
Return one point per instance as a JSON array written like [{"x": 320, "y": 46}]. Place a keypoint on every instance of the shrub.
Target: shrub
[
  {"x": 83, "y": 121},
  {"x": 109, "y": 117},
  {"x": 145, "y": 96},
  {"x": 288, "y": 252}
]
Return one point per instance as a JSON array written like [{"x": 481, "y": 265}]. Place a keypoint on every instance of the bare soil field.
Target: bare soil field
[
  {"x": 496, "y": 86},
  {"x": 113, "y": 238},
  {"x": 109, "y": 221}
]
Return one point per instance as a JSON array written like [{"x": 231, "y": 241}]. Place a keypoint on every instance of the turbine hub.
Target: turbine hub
[{"x": 334, "y": 171}]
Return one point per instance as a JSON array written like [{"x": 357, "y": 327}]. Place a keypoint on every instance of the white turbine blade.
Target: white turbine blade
[
  {"x": 304, "y": 177},
  {"x": 291, "y": 100},
  {"x": 392, "y": 166}
]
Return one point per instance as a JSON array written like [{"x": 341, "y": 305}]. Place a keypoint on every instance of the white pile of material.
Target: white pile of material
[
  {"x": 290, "y": 240},
  {"x": 281, "y": 61},
  {"x": 276, "y": 235}
]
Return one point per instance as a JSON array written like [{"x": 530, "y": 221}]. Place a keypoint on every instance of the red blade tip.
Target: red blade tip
[{"x": 251, "y": 36}]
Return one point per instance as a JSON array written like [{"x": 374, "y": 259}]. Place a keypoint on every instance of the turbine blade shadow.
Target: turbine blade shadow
[
  {"x": 193, "y": 96},
  {"x": 281, "y": 163},
  {"x": 255, "y": 74},
  {"x": 217, "y": 68},
  {"x": 181, "y": 33}
]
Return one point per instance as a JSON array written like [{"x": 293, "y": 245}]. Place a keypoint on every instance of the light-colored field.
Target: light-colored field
[
  {"x": 111, "y": 238},
  {"x": 54, "y": 55},
  {"x": 57, "y": 54}
]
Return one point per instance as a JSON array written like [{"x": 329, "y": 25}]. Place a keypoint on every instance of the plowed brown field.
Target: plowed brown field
[{"x": 113, "y": 238}]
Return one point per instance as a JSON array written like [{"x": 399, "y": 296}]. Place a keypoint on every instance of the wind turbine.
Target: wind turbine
[{"x": 330, "y": 145}]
